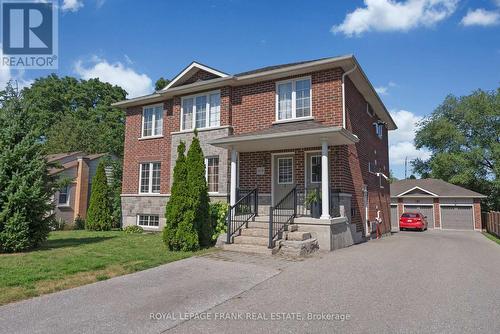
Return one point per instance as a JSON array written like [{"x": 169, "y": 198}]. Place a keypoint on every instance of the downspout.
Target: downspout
[{"x": 343, "y": 92}]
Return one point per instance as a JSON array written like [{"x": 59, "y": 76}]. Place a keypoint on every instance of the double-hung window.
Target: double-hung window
[
  {"x": 152, "y": 121},
  {"x": 379, "y": 129},
  {"x": 212, "y": 171},
  {"x": 150, "y": 178},
  {"x": 63, "y": 196},
  {"x": 200, "y": 111},
  {"x": 293, "y": 99}
]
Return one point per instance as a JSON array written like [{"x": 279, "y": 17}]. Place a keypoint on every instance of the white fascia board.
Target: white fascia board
[
  {"x": 415, "y": 188},
  {"x": 188, "y": 69}
]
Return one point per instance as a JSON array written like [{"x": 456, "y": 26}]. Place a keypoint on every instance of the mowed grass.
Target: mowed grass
[
  {"x": 492, "y": 237},
  {"x": 73, "y": 258}
]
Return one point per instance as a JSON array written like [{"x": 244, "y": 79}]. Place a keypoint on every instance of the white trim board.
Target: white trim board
[
  {"x": 415, "y": 188},
  {"x": 193, "y": 65}
]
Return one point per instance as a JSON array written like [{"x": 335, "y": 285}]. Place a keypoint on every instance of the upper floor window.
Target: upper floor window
[
  {"x": 152, "y": 121},
  {"x": 293, "y": 99},
  {"x": 200, "y": 111},
  {"x": 379, "y": 129},
  {"x": 149, "y": 178}
]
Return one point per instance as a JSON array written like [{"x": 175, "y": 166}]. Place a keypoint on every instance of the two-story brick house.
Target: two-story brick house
[{"x": 311, "y": 125}]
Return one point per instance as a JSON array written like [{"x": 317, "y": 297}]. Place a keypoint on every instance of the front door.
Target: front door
[{"x": 283, "y": 176}]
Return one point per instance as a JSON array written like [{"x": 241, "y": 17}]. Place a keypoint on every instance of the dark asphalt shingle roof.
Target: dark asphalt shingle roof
[
  {"x": 275, "y": 67},
  {"x": 284, "y": 127},
  {"x": 436, "y": 186}
]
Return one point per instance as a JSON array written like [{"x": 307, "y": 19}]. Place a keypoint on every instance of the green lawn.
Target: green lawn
[
  {"x": 73, "y": 258},
  {"x": 492, "y": 237}
]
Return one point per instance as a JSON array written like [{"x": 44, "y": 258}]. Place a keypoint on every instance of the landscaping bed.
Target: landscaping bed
[{"x": 72, "y": 258}]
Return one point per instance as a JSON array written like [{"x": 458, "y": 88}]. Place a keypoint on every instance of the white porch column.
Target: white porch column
[
  {"x": 234, "y": 159},
  {"x": 325, "y": 195}
]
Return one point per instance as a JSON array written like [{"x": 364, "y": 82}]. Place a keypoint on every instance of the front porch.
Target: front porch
[{"x": 285, "y": 174}]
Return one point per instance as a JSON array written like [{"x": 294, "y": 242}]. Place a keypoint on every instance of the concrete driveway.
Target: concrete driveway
[{"x": 430, "y": 282}]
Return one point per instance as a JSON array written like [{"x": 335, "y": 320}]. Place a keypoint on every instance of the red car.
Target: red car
[{"x": 413, "y": 220}]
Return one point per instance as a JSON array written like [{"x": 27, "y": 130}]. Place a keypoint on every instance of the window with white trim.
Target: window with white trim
[
  {"x": 200, "y": 111},
  {"x": 148, "y": 220},
  {"x": 152, "y": 121},
  {"x": 63, "y": 196},
  {"x": 285, "y": 170},
  {"x": 150, "y": 178},
  {"x": 316, "y": 169},
  {"x": 293, "y": 99},
  {"x": 212, "y": 173}
]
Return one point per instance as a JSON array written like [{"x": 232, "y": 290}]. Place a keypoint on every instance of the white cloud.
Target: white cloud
[
  {"x": 390, "y": 15},
  {"x": 384, "y": 90},
  {"x": 401, "y": 144},
  {"x": 6, "y": 75},
  {"x": 136, "y": 84},
  {"x": 481, "y": 17},
  {"x": 72, "y": 5}
]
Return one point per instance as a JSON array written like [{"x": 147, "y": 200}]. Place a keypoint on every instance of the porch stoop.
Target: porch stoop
[{"x": 255, "y": 239}]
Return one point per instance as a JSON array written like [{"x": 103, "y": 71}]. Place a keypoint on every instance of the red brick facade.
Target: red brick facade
[{"x": 252, "y": 107}]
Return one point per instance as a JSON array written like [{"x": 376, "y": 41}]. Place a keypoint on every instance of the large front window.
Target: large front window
[
  {"x": 293, "y": 99},
  {"x": 150, "y": 178},
  {"x": 152, "y": 121},
  {"x": 200, "y": 111}
]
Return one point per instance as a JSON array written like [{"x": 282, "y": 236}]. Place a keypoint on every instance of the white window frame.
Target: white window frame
[
  {"x": 207, "y": 111},
  {"x": 206, "y": 171},
  {"x": 310, "y": 172},
  {"x": 67, "y": 197},
  {"x": 285, "y": 158},
  {"x": 294, "y": 102},
  {"x": 150, "y": 181},
  {"x": 149, "y": 220},
  {"x": 153, "y": 129}
]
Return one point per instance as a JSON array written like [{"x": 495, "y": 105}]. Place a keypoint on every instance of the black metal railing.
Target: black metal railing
[
  {"x": 282, "y": 214},
  {"x": 241, "y": 212}
]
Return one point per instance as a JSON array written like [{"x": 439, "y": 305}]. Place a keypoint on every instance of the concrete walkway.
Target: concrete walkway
[{"x": 430, "y": 282}]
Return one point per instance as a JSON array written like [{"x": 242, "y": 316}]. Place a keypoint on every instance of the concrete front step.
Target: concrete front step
[
  {"x": 241, "y": 239},
  {"x": 243, "y": 248},
  {"x": 258, "y": 224},
  {"x": 255, "y": 232},
  {"x": 298, "y": 236}
]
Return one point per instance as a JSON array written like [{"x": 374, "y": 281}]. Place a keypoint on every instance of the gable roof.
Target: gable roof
[
  {"x": 433, "y": 187},
  {"x": 346, "y": 63},
  {"x": 62, "y": 163},
  {"x": 187, "y": 72}
]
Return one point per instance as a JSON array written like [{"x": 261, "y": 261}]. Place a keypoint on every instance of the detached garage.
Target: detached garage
[{"x": 447, "y": 206}]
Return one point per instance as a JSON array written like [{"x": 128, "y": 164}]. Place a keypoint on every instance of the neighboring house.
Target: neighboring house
[
  {"x": 447, "y": 206},
  {"x": 72, "y": 200},
  {"x": 315, "y": 124}
]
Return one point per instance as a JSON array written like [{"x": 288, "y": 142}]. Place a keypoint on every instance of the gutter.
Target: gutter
[{"x": 343, "y": 93}]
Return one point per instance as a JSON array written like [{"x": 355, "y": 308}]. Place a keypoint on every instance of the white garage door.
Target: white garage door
[
  {"x": 394, "y": 218},
  {"x": 457, "y": 217},
  {"x": 426, "y": 210}
]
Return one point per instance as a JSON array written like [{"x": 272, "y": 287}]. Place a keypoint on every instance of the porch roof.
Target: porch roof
[{"x": 287, "y": 136}]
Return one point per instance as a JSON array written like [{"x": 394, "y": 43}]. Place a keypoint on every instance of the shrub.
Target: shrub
[
  {"x": 26, "y": 188},
  {"x": 57, "y": 224},
  {"x": 198, "y": 192},
  {"x": 79, "y": 223},
  {"x": 99, "y": 213},
  {"x": 179, "y": 232},
  {"x": 133, "y": 229},
  {"x": 218, "y": 213}
]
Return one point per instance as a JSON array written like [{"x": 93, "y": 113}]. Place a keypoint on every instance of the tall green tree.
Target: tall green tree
[
  {"x": 76, "y": 115},
  {"x": 25, "y": 187},
  {"x": 179, "y": 232},
  {"x": 161, "y": 83},
  {"x": 99, "y": 216},
  {"x": 463, "y": 135},
  {"x": 198, "y": 191}
]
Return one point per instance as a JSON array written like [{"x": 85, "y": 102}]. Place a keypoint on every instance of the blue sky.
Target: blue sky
[{"x": 414, "y": 51}]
